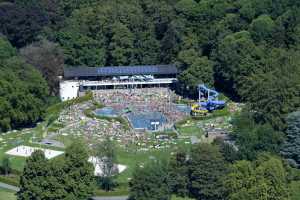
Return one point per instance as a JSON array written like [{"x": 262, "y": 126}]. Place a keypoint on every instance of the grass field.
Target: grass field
[
  {"x": 295, "y": 190},
  {"x": 7, "y": 195}
]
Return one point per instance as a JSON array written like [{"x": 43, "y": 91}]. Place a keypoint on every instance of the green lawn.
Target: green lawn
[
  {"x": 7, "y": 194},
  {"x": 180, "y": 198},
  {"x": 295, "y": 190},
  {"x": 190, "y": 130}
]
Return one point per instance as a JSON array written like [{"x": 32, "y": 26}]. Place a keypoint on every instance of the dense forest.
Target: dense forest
[{"x": 247, "y": 49}]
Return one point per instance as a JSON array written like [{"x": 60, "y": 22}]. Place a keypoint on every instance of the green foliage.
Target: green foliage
[
  {"x": 200, "y": 71},
  {"x": 275, "y": 93},
  {"x": 207, "y": 169},
  {"x": 262, "y": 28},
  {"x": 6, "y": 50},
  {"x": 238, "y": 57},
  {"x": 264, "y": 178},
  {"x": 68, "y": 177},
  {"x": 6, "y": 166},
  {"x": 106, "y": 155},
  {"x": 291, "y": 148},
  {"x": 121, "y": 45},
  {"x": 21, "y": 23},
  {"x": 229, "y": 152},
  {"x": 150, "y": 182},
  {"x": 252, "y": 138},
  {"x": 48, "y": 58},
  {"x": 23, "y": 94},
  {"x": 32, "y": 182},
  {"x": 179, "y": 174},
  {"x": 78, "y": 179}
]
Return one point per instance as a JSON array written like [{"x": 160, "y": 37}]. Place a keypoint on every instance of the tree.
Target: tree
[
  {"x": 6, "y": 50},
  {"x": 6, "y": 165},
  {"x": 253, "y": 138},
  {"x": 33, "y": 180},
  {"x": 121, "y": 45},
  {"x": 228, "y": 150},
  {"x": 274, "y": 91},
  {"x": 262, "y": 28},
  {"x": 237, "y": 57},
  {"x": 48, "y": 58},
  {"x": 263, "y": 179},
  {"x": 23, "y": 94},
  {"x": 78, "y": 179},
  {"x": 150, "y": 182},
  {"x": 291, "y": 147},
  {"x": 200, "y": 72},
  {"x": 80, "y": 49},
  {"x": 106, "y": 159},
  {"x": 207, "y": 168},
  {"x": 179, "y": 174},
  {"x": 21, "y": 24}
]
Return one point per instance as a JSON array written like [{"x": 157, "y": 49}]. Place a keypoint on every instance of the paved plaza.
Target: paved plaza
[{"x": 26, "y": 151}]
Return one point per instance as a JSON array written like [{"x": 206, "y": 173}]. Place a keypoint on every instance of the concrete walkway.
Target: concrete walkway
[{"x": 9, "y": 187}]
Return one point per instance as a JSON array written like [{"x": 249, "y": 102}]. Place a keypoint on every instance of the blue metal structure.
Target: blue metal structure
[{"x": 208, "y": 98}]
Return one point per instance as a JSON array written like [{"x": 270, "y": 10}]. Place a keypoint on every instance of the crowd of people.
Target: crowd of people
[{"x": 142, "y": 101}]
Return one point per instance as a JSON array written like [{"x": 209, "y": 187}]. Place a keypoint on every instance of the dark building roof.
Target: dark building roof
[{"x": 70, "y": 72}]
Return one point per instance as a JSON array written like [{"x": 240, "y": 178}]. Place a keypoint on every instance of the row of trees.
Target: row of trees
[{"x": 205, "y": 174}]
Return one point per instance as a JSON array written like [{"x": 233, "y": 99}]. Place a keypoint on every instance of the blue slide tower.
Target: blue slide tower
[{"x": 208, "y": 99}]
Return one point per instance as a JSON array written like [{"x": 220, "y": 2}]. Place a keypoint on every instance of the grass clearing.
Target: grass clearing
[
  {"x": 295, "y": 190},
  {"x": 7, "y": 194}
]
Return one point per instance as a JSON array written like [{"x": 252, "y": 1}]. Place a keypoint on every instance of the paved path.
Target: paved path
[{"x": 9, "y": 187}]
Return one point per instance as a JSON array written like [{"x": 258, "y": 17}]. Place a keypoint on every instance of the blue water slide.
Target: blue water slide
[{"x": 211, "y": 96}]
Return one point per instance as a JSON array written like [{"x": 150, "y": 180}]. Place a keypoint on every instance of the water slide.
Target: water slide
[{"x": 208, "y": 100}]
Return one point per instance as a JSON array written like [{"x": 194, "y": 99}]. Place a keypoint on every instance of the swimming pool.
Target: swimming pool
[
  {"x": 150, "y": 121},
  {"x": 107, "y": 112}
]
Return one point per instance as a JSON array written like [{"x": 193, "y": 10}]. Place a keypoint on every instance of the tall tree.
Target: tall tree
[
  {"x": 207, "y": 167},
  {"x": 253, "y": 138},
  {"x": 23, "y": 94},
  {"x": 6, "y": 166},
  {"x": 274, "y": 91},
  {"x": 33, "y": 182},
  {"x": 200, "y": 72},
  {"x": 264, "y": 179},
  {"x": 237, "y": 58},
  {"x": 21, "y": 24},
  {"x": 121, "y": 45},
  {"x": 48, "y": 58},
  {"x": 79, "y": 180},
  {"x": 291, "y": 147},
  {"x": 179, "y": 174},
  {"x": 150, "y": 182},
  {"x": 107, "y": 160}
]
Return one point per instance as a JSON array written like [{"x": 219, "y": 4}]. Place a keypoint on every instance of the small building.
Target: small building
[{"x": 81, "y": 79}]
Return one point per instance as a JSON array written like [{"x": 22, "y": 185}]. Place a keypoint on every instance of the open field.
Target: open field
[
  {"x": 295, "y": 190},
  {"x": 7, "y": 194}
]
